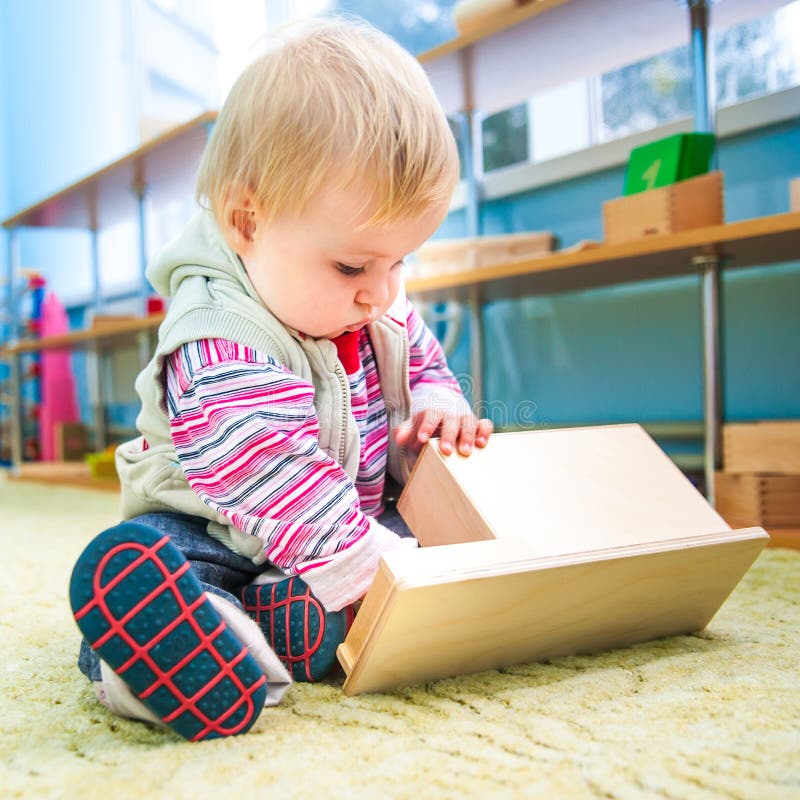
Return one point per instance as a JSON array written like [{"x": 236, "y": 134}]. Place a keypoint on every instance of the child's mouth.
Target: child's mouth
[{"x": 357, "y": 327}]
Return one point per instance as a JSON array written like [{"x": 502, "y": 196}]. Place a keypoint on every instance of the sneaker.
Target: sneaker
[
  {"x": 297, "y": 627},
  {"x": 143, "y": 611}
]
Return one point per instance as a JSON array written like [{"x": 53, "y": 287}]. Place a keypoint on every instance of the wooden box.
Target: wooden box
[
  {"x": 772, "y": 501},
  {"x": 71, "y": 441},
  {"x": 109, "y": 322},
  {"x": 470, "y": 16},
  {"x": 545, "y": 543},
  {"x": 767, "y": 446},
  {"x": 693, "y": 203},
  {"x": 460, "y": 255}
]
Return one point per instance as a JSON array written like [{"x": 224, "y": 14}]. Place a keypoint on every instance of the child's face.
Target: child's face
[{"x": 321, "y": 275}]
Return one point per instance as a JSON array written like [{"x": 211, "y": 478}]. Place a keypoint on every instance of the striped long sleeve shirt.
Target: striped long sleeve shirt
[{"x": 245, "y": 431}]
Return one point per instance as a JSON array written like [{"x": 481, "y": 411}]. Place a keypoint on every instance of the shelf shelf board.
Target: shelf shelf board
[
  {"x": 108, "y": 195},
  {"x": 111, "y": 333},
  {"x": 66, "y": 473},
  {"x": 753, "y": 242},
  {"x": 492, "y": 26}
]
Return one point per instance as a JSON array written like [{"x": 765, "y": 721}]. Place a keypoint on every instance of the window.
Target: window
[
  {"x": 759, "y": 57},
  {"x": 755, "y": 58},
  {"x": 561, "y": 120},
  {"x": 418, "y": 25},
  {"x": 645, "y": 95},
  {"x": 173, "y": 62},
  {"x": 505, "y": 138}
]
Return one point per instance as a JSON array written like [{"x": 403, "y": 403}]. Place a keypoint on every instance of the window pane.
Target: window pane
[
  {"x": 418, "y": 25},
  {"x": 646, "y": 94},
  {"x": 754, "y": 58},
  {"x": 458, "y": 134},
  {"x": 560, "y": 120},
  {"x": 759, "y": 57},
  {"x": 505, "y": 138}
]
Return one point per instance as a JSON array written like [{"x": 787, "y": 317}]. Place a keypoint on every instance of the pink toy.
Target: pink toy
[{"x": 59, "y": 401}]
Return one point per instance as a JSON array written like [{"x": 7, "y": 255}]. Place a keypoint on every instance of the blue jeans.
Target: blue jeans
[{"x": 218, "y": 568}]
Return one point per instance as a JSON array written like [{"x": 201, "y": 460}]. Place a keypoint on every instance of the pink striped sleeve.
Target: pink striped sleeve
[
  {"x": 245, "y": 431},
  {"x": 428, "y": 370}
]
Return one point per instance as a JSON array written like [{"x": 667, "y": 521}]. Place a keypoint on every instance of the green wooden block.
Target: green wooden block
[{"x": 668, "y": 160}]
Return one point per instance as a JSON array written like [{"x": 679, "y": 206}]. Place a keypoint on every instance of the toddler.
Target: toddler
[{"x": 291, "y": 387}]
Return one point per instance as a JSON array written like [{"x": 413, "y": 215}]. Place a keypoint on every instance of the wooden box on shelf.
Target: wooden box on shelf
[
  {"x": 460, "y": 255},
  {"x": 71, "y": 441},
  {"x": 544, "y": 543},
  {"x": 772, "y": 501},
  {"x": 473, "y": 15},
  {"x": 102, "y": 323},
  {"x": 693, "y": 203},
  {"x": 771, "y": 446}
]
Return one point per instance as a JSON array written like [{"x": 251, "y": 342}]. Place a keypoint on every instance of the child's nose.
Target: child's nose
[{"x": 374, "y": 293}]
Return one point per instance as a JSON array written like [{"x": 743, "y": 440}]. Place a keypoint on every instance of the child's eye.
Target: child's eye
[{"x": 347, "y": 270}]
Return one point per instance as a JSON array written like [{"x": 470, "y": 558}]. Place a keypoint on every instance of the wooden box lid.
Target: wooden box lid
[{"x": 562, "y": 490}]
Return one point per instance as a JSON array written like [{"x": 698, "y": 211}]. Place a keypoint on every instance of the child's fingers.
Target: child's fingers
[
  {"x": 448, "y": 434},
  {"x": 484, "y": 431},
  {"x": 403, "y": 432},
  {"x": 466, "y": 435},
  {"x": 428, "y": 425}
]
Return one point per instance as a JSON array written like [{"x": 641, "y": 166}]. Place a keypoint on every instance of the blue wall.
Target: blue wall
[
  {"x": 633, "y": 352},
  {"x": 66, "y": 107},
  {"x": 4, "y": 114},
  {"x": 65, "y": 78}
]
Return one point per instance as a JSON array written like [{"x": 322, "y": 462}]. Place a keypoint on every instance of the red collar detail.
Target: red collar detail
[{"x": 347, "y": 348}]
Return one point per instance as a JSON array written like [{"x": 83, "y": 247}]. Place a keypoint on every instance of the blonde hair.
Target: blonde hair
[{"x": 330, "y": 100}]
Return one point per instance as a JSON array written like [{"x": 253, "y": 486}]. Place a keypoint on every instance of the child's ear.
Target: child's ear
[{"x": 239, "y": 219}]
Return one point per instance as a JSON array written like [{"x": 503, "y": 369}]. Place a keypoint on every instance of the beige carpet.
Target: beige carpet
[{"x": 709, "y": 716}]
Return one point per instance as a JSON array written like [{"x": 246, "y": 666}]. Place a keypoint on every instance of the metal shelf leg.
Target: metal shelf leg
[
  {"x": 709, "y": 268},
  {"x": 15, "y": 399},
  {"x": 476, "y": 346}
]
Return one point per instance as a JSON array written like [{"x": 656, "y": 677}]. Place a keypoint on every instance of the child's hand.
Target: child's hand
[{"x": 453, "y": 425}]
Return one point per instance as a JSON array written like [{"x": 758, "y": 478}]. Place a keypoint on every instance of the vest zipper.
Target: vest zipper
[
  {"x": 405, "y": 392},
  {"x": 345, "y": 390}
]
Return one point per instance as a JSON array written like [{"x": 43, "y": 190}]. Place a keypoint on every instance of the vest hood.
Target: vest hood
[{"x": 201, "y": 250}]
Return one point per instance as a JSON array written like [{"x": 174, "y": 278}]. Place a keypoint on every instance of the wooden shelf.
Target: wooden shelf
[
  {"x": 157, "y": 171},
  {"x": 594, "y": 14},
  {"x": 106, "y": 196},
  {"x": 498, "y": 23},
  {"x": 753, "y": 242},
  {"x": 110, "y": 333},
  {"x": 64, "y": 473}
]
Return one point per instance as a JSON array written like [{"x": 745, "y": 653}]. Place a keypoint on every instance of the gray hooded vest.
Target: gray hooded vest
[{"x": 212, "y": 297}]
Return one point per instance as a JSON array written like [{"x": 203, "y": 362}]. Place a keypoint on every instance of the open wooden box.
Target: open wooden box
[
  {"x": 760, "y": 484},
  {"x": 771, "y": 446},
  {"x": 692, "y": 203},
  {"x": 442, "y": 256},
  {"x": 772, "y": 501},
  {"x": 546, "y": 543}
]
